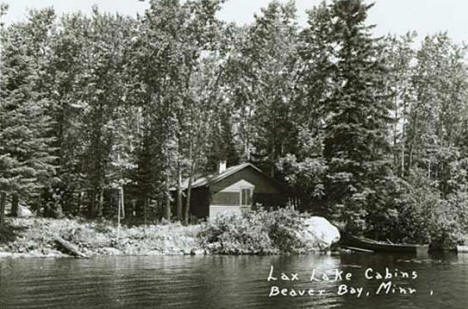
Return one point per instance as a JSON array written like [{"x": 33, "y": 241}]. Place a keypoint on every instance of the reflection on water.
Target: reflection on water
[{"x": 228, "y": 282}]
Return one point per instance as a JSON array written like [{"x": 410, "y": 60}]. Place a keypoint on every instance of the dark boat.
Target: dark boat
[{"x": 351, "y": 242}]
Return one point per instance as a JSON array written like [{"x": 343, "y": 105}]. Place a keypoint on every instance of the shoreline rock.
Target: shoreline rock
[
  {"x": 24, "y": 212},
  {"x": 320, "y": 232}
]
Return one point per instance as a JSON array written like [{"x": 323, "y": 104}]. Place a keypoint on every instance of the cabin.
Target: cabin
[{"x": 233, "y": 190}]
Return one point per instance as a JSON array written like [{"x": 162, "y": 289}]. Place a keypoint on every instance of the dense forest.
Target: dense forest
[{"x": 370, "y": 132}]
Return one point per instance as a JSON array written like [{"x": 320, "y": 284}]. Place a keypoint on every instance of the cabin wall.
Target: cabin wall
[
  {"x": 228, "y": 200},
  {"x": 230, "y": 196},
  {"x": 225, "y": 195},
  {"x": 216, "y": 210}
]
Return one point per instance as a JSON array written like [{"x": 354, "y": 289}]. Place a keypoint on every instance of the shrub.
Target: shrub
[
  {"x": 236, "y": 235},
  {"x": 447, "y": 229},
  {"x": 426, "y": 216},
  {"x": 259, "y": 232}
]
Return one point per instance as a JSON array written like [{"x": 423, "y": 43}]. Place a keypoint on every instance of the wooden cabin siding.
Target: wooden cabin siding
[{"x": 216, "y": 210}]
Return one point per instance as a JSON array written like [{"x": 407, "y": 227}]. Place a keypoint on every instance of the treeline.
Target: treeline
[{"x": 370, "y": 132}]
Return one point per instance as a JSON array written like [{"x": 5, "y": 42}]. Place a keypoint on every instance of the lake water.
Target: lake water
[{"x": 233, "y": 282}]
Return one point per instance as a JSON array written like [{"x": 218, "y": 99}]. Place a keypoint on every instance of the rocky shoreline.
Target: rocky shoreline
[
  {"x": 102, "y": 253},
  {"x": 37, "y": 238}
]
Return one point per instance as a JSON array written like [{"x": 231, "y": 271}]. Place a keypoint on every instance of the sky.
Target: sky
[{"x": 390, "y": 16}]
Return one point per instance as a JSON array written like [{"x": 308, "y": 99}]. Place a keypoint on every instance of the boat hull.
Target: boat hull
[{"x": 348, "y": 240}]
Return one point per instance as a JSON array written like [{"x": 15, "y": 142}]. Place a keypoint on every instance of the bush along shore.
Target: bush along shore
[{"x": 278, "y": 232}]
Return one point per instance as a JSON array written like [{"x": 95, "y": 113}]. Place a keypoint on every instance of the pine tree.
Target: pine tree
[
  {"x": 26, "y": 160},
  {"x": 356, "y": 147}
]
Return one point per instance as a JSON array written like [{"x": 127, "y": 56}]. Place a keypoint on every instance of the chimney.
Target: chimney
[{"x": 221, "y": 166}]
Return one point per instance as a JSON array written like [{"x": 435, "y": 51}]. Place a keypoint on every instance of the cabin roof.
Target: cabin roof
[{"x": 213, "y": 178}]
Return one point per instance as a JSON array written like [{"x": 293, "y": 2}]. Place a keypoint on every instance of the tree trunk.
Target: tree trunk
[
  {"x": 14, "y": 205},
  {"x": 101, "y": 203},
  {"x": 167, "y": 210},
  {"x": 119, "y": 210},
  {"x": 189, "y": 195},
  {"x": 410, "y": 158},
  {"x": 403, "y": 142},
  {"x": 402, "y": 173},
  {"x": 413, "y": 144},
  {"x": 179, "y": 195},
  {"x": 187, "y": 202},
  {"x": 2, "y": 207},
  {"x": 395, "y": 134},
  {"x": 80, "y": 201},
  {"x": 92, "y": 205},
  {"x": 145, "y": 206},
  {"x": 122, "y": 194},
  {"x": 69, "y": 247},
  {"x": 189, "y": 187},
  {"x": 134, "y": 208}
]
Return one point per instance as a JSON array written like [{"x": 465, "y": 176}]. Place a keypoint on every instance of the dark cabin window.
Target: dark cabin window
[
  {"x": 226, "y": 199},
  {"x": 246, "y": 197}
]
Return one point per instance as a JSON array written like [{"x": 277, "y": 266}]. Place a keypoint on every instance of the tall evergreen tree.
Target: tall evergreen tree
[
  {"x": 26, "y": 153},
  {"x": 357, "y": 110}
]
